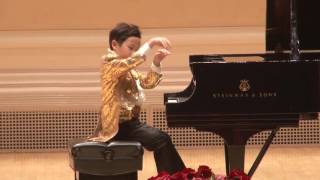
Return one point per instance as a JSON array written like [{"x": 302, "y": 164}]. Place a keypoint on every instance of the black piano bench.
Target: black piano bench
[{"x": 115, "y": 160}]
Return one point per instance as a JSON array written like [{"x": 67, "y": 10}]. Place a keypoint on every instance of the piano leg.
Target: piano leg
[
  {"x": 263, "y": 151},
  {"x": 234, "y": 157},
  {"x": 234, "y": 146},
  {"x": 235, "y": 154}
]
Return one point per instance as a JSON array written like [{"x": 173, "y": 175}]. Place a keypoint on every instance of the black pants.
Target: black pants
[{"x": 166, "y": 156}]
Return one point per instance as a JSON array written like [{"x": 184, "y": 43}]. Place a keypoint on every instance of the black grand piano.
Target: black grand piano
[{"x": 239, "y": 99}]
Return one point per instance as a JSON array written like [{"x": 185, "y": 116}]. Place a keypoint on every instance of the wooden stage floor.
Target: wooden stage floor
[{"x": 279, "y": 163}]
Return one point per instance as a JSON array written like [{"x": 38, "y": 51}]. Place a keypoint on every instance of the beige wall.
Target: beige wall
[
  {"x": 50, "y": 50},
  {"x": 102, "y": 14},
  {"x": 47, "y": 34},
  {"x": 82, "y": 49}
]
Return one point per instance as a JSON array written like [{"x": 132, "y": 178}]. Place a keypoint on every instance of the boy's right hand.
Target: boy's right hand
[{"x": 159, "y": 41}]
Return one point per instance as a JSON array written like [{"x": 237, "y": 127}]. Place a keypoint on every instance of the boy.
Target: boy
[{"x": 122, "y": 95}]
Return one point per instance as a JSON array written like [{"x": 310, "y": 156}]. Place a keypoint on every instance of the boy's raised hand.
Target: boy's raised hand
[
  {"x": 160, "y": 55},
  {"x": 159, "y": 41}
]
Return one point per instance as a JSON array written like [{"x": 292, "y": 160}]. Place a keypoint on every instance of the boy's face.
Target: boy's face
[{"x": 127, "y": 48}]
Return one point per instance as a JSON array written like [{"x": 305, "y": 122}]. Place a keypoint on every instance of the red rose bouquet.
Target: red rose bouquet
[{"x": 203, "y": 173}]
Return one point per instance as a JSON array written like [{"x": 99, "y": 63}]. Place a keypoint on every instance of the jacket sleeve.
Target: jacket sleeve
[
  {"x": 116, "y": 67},
  {"x": 151, "y": 80}
]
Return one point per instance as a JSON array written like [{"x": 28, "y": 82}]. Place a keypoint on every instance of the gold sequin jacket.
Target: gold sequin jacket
[{"x": 120, "y": 94}]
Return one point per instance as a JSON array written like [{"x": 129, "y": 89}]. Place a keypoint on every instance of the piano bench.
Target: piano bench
[{"x": 116, "y": 160}]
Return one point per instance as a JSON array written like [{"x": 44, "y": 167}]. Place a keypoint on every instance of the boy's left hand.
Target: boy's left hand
[{"x": 159, "y": 56}]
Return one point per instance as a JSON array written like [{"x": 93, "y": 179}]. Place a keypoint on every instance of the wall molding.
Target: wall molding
[
  {"x": 82, "y": 49},
  {"x": 60, "y": 69},
  {"x": 70, "y": 90}
]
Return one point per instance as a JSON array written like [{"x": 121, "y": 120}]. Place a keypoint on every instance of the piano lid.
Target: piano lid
[{"x": 278, "y": 33}]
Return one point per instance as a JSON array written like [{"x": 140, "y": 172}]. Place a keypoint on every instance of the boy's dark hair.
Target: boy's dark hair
[{"x": 122, "y": 32}]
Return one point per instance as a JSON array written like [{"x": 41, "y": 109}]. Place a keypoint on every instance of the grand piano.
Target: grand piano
[{"x": 237, "y": 100}]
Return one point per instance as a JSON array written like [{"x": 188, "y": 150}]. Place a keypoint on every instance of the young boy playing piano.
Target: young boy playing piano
[{"x": 122, "y": 95}]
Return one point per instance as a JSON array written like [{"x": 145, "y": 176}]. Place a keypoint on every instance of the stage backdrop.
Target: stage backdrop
[
  {"x": 50, "y": 55},
  {"x": 45, "y": 34}
]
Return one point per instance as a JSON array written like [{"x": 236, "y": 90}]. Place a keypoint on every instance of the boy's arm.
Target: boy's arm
[
  {"x": 152, "y": 79},
  {"x": 116, "y": 67}
]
